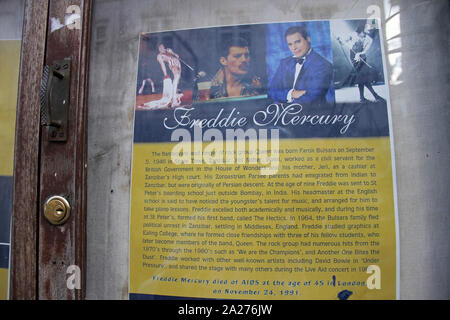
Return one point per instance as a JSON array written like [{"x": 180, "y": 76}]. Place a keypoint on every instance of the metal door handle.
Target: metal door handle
[{"x": 55, "y": 99}]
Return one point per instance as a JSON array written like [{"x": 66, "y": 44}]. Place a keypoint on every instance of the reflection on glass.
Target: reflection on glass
[{"x": 394, "y": 41}]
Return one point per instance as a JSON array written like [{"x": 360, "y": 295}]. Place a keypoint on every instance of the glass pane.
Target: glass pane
[
  {"x": 11, "y": 17},
  {"x": 412, "y": 37}
]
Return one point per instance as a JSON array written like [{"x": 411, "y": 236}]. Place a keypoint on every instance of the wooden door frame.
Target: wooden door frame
[{"x": 41, "y": 252}]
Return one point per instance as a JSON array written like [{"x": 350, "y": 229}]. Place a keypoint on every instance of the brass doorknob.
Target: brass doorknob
[{"x": 57, "y": 210}]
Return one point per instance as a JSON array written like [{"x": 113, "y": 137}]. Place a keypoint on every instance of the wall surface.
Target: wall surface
[
  {"x": 11, "y": 19},
  {"x": 417, "y": 49}
]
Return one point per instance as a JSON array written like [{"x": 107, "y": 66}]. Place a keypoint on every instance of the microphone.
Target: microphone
[
  {"x": 199, "y": 75},
  {"x": 195, "y": 96}
]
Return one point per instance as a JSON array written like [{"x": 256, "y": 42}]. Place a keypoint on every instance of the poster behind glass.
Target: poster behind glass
[{"x": 262, "y": 164}]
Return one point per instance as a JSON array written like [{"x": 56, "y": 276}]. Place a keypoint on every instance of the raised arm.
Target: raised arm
[{"x": 345, "y": 42}]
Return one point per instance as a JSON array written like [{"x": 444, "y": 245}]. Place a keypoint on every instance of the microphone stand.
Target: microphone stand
[{"x": 195, "y": 96}]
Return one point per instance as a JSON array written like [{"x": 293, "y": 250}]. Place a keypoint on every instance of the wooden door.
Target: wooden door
[{"x": 44, "y": 256}]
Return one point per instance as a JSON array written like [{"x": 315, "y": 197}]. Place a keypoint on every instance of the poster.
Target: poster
[
  {"x": 9, "y": 75},
  {"x": 263, "y": 164}
]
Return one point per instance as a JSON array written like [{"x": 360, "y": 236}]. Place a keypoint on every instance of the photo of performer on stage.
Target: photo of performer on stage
[
  {"x": 164, "y": 78},
  {"x": 358, "y": 64},
  {"x": 170, "y": 96}
]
